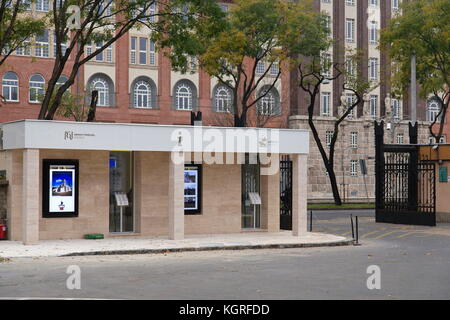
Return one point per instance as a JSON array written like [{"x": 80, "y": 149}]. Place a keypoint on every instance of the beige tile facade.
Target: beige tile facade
[{"x": 221, "y": 197}]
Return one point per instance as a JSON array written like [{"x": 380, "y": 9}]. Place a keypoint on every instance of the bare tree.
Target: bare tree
[{"x": 312, "y": 74}]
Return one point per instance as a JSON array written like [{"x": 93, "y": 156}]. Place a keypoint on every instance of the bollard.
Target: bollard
[
  {"x": 310, "y": 221},
  {"x": 357, "y": 230},
  {"x": 353, "y": 230}
]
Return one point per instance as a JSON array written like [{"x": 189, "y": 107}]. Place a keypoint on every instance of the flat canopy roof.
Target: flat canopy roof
[{"x": 43, "y": 134}]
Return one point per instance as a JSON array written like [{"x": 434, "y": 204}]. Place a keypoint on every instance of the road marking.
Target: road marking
[
  {"x": 345, "y": 233},
  {"x": 369, "y": 233},
  {"x": 386, "y": 234},
  {"x": 410, "y": 233}
]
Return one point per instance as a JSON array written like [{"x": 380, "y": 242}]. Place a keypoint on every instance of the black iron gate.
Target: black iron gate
[
  {"x": 405, "y": 185},
  {"x": 285, "y": 193}
]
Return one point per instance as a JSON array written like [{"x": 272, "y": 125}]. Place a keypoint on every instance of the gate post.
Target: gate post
[{"x": 379, "y": 168}]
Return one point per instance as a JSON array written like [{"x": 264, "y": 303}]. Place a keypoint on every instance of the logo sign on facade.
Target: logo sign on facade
[
  {"x": 70, "y": 135},
  {"x": 60, "y": 188}
]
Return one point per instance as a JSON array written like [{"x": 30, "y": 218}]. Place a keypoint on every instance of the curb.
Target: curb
[{"x": 339, "y": 243}]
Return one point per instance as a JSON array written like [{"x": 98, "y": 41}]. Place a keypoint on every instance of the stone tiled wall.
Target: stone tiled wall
[
  {"x": 352, "y": 188},
  {"x": 221, "y": 197},
  {"x": 93, "y": 206}
]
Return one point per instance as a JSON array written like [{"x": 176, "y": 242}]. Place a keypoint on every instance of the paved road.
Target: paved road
[{"x": 414, "y": 264}]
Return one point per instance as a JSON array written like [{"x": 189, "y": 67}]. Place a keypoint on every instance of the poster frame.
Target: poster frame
[
  {"x": 46, "y": 163},
  {"x": 199, "y": 189}
]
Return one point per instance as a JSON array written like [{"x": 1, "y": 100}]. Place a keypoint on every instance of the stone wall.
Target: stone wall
[{"x": 352, "y": 188}]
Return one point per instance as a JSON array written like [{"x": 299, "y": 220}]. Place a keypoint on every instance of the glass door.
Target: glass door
[
  {"x": 250, "y": 183},
  {"x": 121, "y": 213}
]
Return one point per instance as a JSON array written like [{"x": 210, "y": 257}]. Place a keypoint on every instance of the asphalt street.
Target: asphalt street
[{"x": 414, "y": 263}]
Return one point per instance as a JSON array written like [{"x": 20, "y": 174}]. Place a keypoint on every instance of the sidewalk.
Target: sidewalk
[{"x": 128, "y": 245}]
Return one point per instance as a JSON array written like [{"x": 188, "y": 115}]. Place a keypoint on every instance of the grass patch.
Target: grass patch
[
  {"x": 2, "y": 260},
  {"x": 331, "y": 206}
]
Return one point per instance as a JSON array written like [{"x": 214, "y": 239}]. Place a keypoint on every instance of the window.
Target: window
[
  {"x": 260, "y": 67},
  {"x": 328, "y": 23},
  {"x": 396, "y": 110},
  {"x": 64, "y": 46},
  {"x": 350, "y": 2},
  {"x": 103, "y": 56},
  {"x": 350, "y": 66},
  {"x": 373, "y": 104},
  {"x": 373, "y": 68},
  {"x": 24, "y": 49},
  {"x": 373, "y": 32},
  {"x": 42, "y": 5},
  {"x": 400, "y": 138},
  {"x": 27, "y": 4},
  {"x": 152, "y": 54},
  {"x": 274, "y": 69},
  {"x": 142, "y": 95},
  {"x": 61, "y": 80},
  {"x": 325, "y": 104},
  {"x": 373, "y": 3},
  {"x": 109, "y": 53},
  {"x": 326, "y": 65},
  {"x": 223, "y": 99},
  {"x": 270, "y": 101},
  {"x": 433, "y": 109},
  {"x": 183, "y": 97},
  {"x": 350, "y": 30},
  {"x": 354, "y": 140},
  {"x": 353, "y": 168},
  {"x": 142, "y": 50},
  {"x": 328, "y": 137},
  {"x": 133, "y": 44},
  {"x": 395, "y": 4},
  {"x": 350, "y": 97},
  {"x": 42, "y": 45},
  {"x": 10, "y": 87},
  {"x": 102, "y": 86},
  {"x": 37, "y": 84}
]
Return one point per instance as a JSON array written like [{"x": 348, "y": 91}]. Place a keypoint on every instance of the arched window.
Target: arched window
[
  {"x": 61, "y": 80},
  {"x": 269, "y": 104},
  {"x": 102, "y": 87},
  {"x": 433, "y": 108},
  {"x": 142, "y": 95},
  {"x": 10, "y": 87},
  {"x": 185, "y": 96},
  {"x": 223, "y": 99},
  {"x": 37, "y": 84}
]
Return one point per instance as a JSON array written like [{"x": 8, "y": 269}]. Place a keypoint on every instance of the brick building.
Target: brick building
[{"x": 136, "y": 85}]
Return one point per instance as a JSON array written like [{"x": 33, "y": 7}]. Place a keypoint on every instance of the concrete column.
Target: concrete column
[
  {"x": 299, "y": 194},
  {"x": 176, "y": 199},
  {"x": 30, "y": 196},
  {"x": 270, "y": 195}
]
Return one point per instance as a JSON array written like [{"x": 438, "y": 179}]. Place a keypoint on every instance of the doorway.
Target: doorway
[
  {"x": 121, "y": 172},
  {"x": 250, "y": 183}
]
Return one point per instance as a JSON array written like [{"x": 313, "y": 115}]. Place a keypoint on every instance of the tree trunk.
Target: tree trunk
[
  {"x": 93, "y": 106},
  {"x": 334, "y": 185},
  {"x": 329, "y": 163}
]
